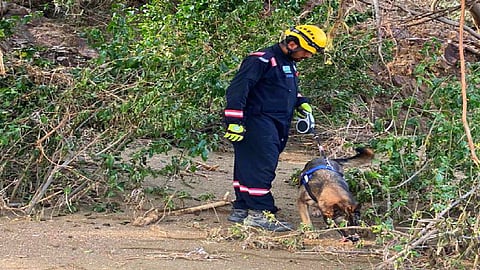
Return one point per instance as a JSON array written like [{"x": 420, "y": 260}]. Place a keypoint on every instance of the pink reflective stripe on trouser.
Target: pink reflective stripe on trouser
[{"x": 251, "y": 191}]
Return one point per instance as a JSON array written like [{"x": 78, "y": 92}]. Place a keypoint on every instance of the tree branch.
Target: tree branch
[
  {"x": 471, "y": 145},
  {"x": 427, "y": 231}
]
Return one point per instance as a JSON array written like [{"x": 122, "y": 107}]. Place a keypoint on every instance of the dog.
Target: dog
[{"x": 322, "y": 187}]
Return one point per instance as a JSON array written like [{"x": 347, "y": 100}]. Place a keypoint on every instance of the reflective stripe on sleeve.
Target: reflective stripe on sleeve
[
  {"x": 234, "y": 113},
  {"x": 257, "y": 53}
]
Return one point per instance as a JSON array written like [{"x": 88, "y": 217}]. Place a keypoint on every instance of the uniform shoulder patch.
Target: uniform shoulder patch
[{"x": 265, "y": 57}]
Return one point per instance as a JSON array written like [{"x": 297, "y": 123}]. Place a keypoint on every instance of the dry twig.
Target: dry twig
[
  {"x": 435, "y": 16},
  {"x": 2, "y": 66},
  {"x": 198, "y": 254},
  {"x": 333, "y": 251},
  {"x": 152, "y": 215},
  {"x": 57, "y": 167},
  {"x": 427, "y": 232}
]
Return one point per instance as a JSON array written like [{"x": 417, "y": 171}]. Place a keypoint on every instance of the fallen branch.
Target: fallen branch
[
  {"x": 427, "y": 231},
  {"x": 331, "y": 251},
  {"x": 207, "y": 167},
  {"x": 434, "y": 16},
  {"x": 199, "y": 208},
  {"x": 57, "y": 168},
  {"x": 40, "y": 192},
  {"x": 153, "y": 216}
]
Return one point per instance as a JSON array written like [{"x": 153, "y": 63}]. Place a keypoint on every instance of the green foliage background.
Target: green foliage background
[{"x": 161, "y": 75}]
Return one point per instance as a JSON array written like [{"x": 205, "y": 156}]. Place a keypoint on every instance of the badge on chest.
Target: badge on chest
[{"x": 289, "y": 72}]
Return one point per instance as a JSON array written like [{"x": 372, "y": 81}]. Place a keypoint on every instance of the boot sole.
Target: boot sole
[{"x": 277, "y": 228}]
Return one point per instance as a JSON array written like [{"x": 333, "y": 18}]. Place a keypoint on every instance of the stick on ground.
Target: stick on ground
[{"x": 153, "y": 216}]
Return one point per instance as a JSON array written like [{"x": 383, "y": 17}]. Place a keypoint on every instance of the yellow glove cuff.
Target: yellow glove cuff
[{"x": 306, "y": 107}]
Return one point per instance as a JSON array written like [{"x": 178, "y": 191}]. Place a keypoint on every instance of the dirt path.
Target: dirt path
[
  {"x": 87, "y": 240},
  {"x": 105, "y": 242}
]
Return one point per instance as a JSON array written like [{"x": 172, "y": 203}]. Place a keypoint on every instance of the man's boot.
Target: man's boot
[
  {"x": 237, "y": 215},
  {"x": 266, "y": 221}
]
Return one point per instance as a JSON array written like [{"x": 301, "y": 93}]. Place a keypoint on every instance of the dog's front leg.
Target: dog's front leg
[{"x": 303, "y": 210}]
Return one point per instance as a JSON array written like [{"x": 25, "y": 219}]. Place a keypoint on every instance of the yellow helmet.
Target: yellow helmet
[{"x": 311, "y": 37}]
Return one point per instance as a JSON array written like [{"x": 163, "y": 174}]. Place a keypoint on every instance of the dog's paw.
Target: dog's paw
[{"x": 315, "y": 212}]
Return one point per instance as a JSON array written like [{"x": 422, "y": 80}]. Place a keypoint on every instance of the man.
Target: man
[{"x": 261, "y": 100}]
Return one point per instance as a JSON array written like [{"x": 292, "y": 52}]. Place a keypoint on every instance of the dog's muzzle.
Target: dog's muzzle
[{"x": 348, "y": 234}]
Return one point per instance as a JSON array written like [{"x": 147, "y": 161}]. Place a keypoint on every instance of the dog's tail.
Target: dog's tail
[{"x": 363, "y": 156}]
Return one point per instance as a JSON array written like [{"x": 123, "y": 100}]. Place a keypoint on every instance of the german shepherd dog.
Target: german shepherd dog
[{"x": 323, "y": 189}]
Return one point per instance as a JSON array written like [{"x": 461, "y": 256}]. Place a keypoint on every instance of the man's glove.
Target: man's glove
[
  {"x": 235, "y": 132},
  {"x": 302, "y": 109}
]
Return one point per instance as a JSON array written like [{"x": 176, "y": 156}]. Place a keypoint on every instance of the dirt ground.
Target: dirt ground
[{"x": 203, "y": 240}]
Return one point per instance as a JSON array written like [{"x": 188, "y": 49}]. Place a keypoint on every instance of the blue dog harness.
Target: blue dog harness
[{"x": 306, "y": 176}]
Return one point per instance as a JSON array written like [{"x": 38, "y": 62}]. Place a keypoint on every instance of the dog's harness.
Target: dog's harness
[{"x": 306, "y": 176}]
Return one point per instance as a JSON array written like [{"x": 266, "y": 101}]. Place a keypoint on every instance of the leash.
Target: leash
[
  {"x": 307, "y": 126},
  {"x": 316, "y": 137}
]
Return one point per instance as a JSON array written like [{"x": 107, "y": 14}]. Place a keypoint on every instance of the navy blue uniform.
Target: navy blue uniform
[{"x": 262, "y": 97}]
